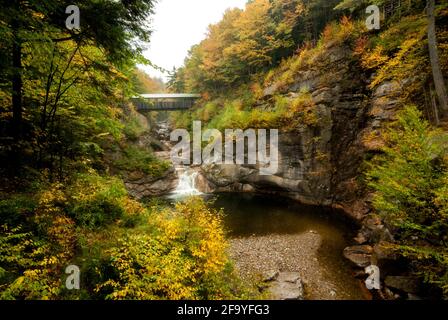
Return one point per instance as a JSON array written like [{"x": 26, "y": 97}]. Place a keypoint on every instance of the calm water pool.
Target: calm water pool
[{"x": 256, "y": 215}]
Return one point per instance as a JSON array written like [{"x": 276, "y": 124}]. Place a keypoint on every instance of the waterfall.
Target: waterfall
[{"x": 187, "y": 183}]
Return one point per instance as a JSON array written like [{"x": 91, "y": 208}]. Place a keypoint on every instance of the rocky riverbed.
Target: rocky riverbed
[{"x": 260, "y": 258}]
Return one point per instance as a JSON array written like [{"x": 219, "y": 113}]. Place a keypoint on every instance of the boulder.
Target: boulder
[
  {"x": 360, "y": 255},
  {"x": 406, "y": 284},
  {"x": 270, "y": 275},
  {"x": 202, "y": 184},
  {"x": 287, "y": 286},
  {"x": 373, "y": 230},
  {"x": 142, "y": 186},
  {"x": 248, "y": 188},
  {"x": 384, "y": 251}
]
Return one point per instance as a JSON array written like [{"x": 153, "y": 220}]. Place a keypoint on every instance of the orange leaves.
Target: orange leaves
[
  {"x": 374, "y": 58},
  {"x": 243, "y": 43},
  {"x": 361, "y": 45},
  {"x": 346, "y": 22}
]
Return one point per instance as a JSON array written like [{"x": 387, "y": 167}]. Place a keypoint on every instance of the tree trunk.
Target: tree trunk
[
  {"x": 17, "y": 83},
  {"x": 439, "y": 82}
]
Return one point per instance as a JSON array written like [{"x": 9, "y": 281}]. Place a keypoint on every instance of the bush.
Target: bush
[
  {"x": 410, "y": 182},
  {"x": 134, "y": 158},
  {"x": 96, "y": 201},
  {"x": 58, "y": 221},
  {"x": 29, "y": 268},
  {"x": 182, "y": 256},
  {"x": 16, "y": 208},
  {"x": 133, "y": 128}
]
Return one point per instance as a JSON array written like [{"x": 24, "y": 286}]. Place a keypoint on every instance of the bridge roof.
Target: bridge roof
[{"x": 169, "y": 95}]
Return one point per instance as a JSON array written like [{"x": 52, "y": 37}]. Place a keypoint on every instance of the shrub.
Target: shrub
[
  {"x": 132, "y": 128},
  {"x": 16, "y": 208},
  {"x": 410, "y": 183},
  {"x": 134, "y": 158},
  {"x": 183, "y": 257},
  {"x": 96, "y": 201},
  {"x": 29, "y": 269}
]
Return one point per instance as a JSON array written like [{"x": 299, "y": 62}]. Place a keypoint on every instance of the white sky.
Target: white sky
[{"x": 179, "y": 24}]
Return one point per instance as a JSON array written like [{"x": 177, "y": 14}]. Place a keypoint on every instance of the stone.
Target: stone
[
  {"x": 203, "y": 184},
  {"x": 322, "y": 96},
  {"x": 359, "y": 255},
  {"x": 383, "y": 251},
  {"x": 360, "y": 238},
  {"x": 357, "y": 210},
  {"x": 372, "y": 221},
  {"x": 373, "y": 230},
  {"x": 414, "y": 297},
  {"x": 248, "y": 188},
  {"x": 163, "y": 155},
  {"x": 390, "y": 295},
  {"x": 406, "y": 284},
  {"x": 269, "y": 91},
  {"x": 287, "y": 286},
  {"x": 270, "y": 275},
  {"x": 291, "y": 277},
  {"x": 388, "y": 89},
  {"x": 147, "y": 186}
]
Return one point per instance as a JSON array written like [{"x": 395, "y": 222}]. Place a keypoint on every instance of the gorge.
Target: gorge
[
  {"x": 318, "y": 164},
  {"x": 313, "y": 151}
]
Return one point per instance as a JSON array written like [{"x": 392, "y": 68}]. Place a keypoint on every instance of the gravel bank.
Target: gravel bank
[{"x": 256, "y": 255}]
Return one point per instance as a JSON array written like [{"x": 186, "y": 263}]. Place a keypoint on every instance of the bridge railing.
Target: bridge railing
[{"x": 164, "y": 102}]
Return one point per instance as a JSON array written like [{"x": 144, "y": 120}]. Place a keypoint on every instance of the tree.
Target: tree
[
  {"x": 143, "y": 83},
  {"x": 439, "y": 81},
  {"x": 410, "y": 183},
  {"x": 111, "y": 25}
]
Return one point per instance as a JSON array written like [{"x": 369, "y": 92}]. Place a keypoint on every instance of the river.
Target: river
[{"x": 268, "y": 234}]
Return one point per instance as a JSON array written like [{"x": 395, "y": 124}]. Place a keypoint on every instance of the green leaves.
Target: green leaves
[{"x": 410, "y": 183}]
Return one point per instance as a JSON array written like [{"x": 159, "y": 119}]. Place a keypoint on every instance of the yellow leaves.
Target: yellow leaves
[
  {"x": 62, "y": 234},
  {"x": 254, "y": 19},
  {"x": 171, "y": 228},
  {"x": 187, "y": 245},
  {"x": 341, "y": 32},
  {"x": 210, "y": 250},
  {"x": 41, "y": 282},
  {"x": 48, "y": 199},
  {"x": 374, "y": 58},
  {"x": 399, "y": 53},
  {"x": 347, "y": 23},
  {"x": 19, "y": 281},
  {"x": 242, "y": 43},
  {"x": 59, "y": 228},
  {"x": 38, "y": 15},
  {"x": 133, "y": 207},
  {"x": 402, "y": 65}
]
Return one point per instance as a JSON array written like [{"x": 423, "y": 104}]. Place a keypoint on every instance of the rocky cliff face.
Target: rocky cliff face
[
  {"x": 320, "y": 164},
  {"x": 139, "y": 184},
  {"x": 143, "y": 186}
]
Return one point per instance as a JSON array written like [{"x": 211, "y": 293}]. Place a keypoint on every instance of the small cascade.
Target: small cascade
[{"x": 187, "y": 183}]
